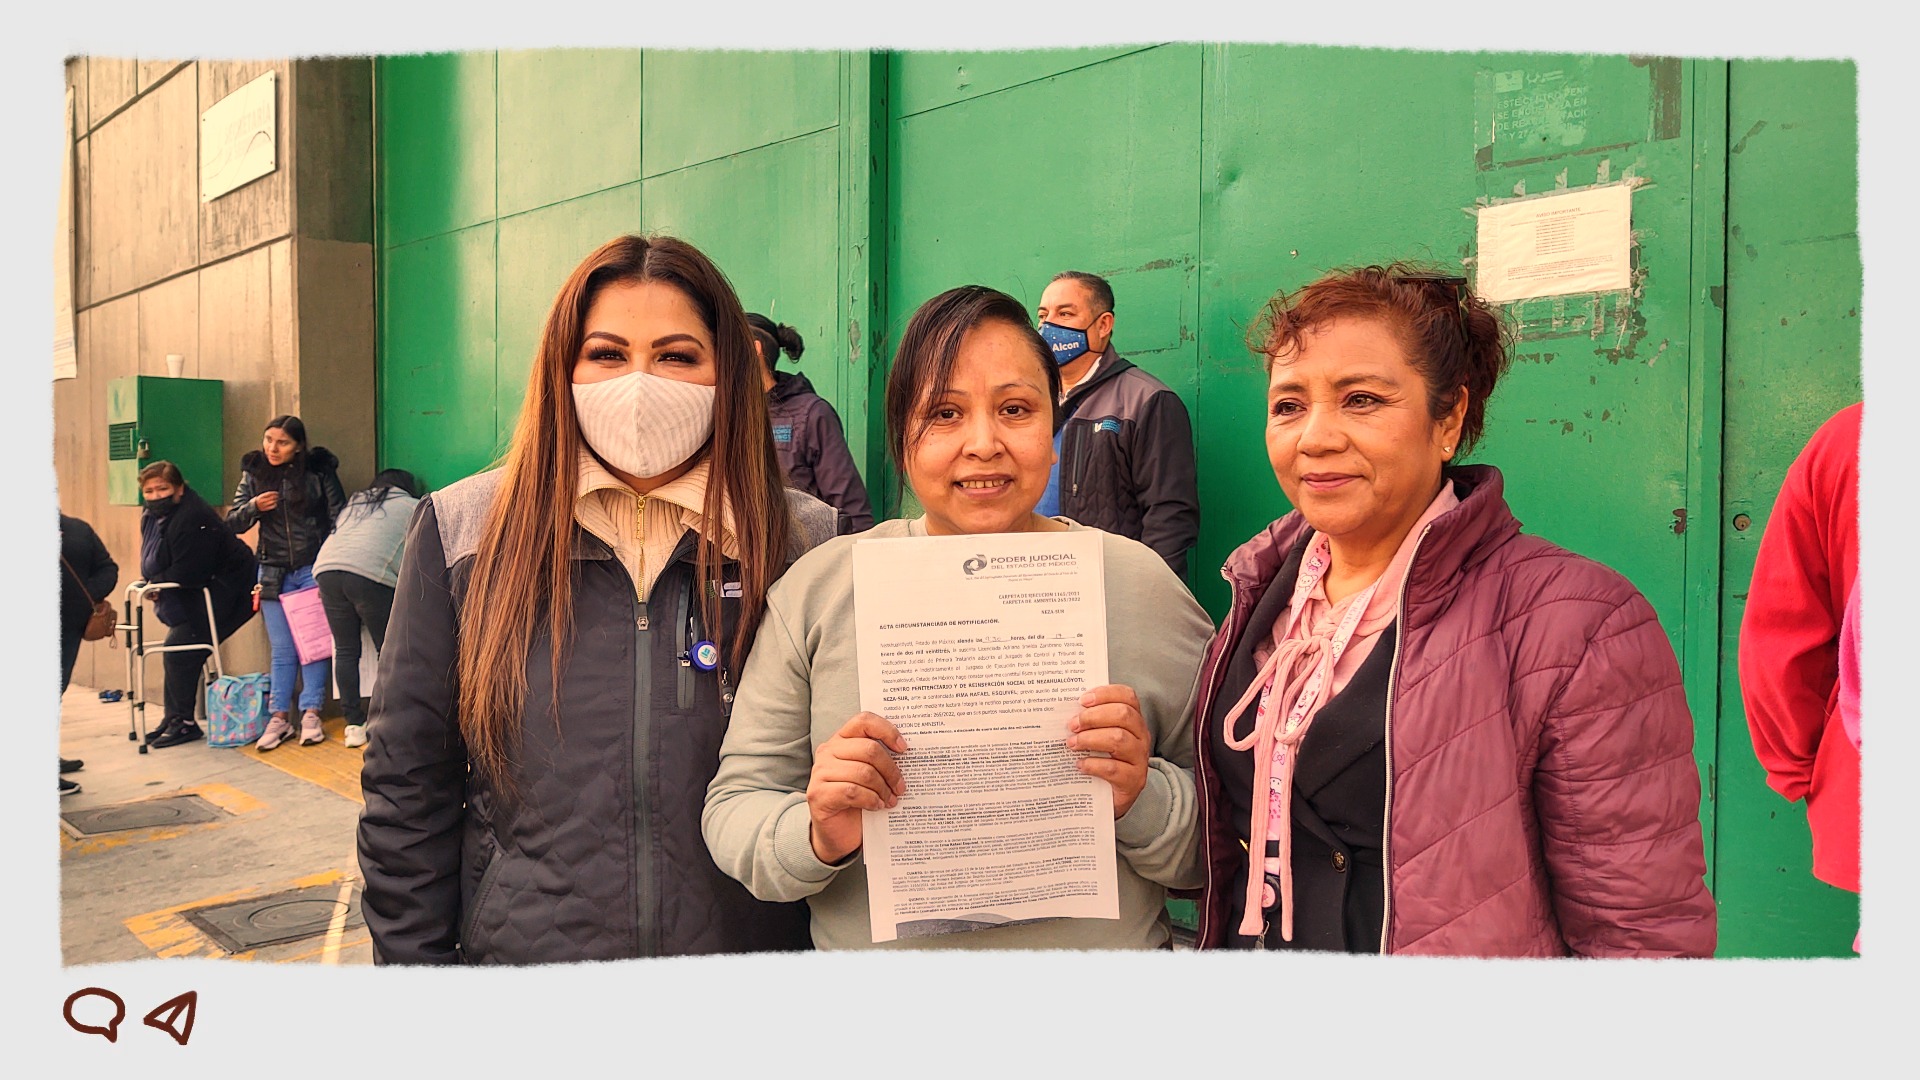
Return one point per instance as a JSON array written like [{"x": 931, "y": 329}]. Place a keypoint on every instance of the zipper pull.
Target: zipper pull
[{"x": 640, "y": 620}]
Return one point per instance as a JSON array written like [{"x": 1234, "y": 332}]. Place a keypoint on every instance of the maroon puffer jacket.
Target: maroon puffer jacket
[{"x": 1542, "y": 798}]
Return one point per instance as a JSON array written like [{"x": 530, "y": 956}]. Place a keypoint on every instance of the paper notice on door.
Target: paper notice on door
[
  {"x": 978, "y": 648},
  {"x": 1578, "y": 242}
]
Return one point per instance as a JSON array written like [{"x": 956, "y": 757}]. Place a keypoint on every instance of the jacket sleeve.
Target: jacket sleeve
[
  {"x": 414, "y": 773},
  {"x": 241, "y": 514},
  {"x": 102, "y": 572},
  {"x": 1789, "y": 638},
  {"x": 1617, "y": 794},
  {"x": 834, "y": 472},
  {"x": 1158, "y": 836},
  {"x": 756, "y": 821},
  {"x": 1166, "y": 480},
  {"x": 336, "y": 496}
]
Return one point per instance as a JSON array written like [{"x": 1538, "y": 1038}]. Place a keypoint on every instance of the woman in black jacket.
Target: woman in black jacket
[
  {"x": 183, "y": 541},
  {"x": 87, "y": 574},
  {"x": 566, "y": 635},
  {"x": 294, "y": 494}
]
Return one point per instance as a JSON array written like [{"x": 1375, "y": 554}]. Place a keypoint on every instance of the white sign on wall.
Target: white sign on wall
[
  {"x": 1574, "y": 242},
  {"x": 237, "y": 138}
]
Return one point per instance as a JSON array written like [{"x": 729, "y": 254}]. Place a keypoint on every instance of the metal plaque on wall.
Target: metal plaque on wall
[{"x": 237, "y": 138}]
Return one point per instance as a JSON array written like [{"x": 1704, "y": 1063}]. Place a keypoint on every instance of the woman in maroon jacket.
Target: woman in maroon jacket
[{"x": 1465, "y": 741}]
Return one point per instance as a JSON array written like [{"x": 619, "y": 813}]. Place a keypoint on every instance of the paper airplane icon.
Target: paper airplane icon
[{"x": 175, "y": 1016}]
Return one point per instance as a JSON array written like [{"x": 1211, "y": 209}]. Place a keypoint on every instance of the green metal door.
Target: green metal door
[{"x": 1792, "y": 361}]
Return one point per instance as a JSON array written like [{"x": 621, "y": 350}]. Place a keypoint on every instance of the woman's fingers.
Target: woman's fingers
[
  {"x": 866, "y": 725},
  {"x": 860, "y": 774}
]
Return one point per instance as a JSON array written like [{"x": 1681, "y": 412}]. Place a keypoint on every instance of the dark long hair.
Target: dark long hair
[
  {"x": 923, "y": 364},
  {"x": 385, "y": 483},
  {"x": 522, "y": 571},
  {"x": 289, "y": 479},
  {"x": 775, "y": 337}
]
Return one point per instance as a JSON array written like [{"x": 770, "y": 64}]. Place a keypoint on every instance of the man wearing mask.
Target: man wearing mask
[{"x": 1125, "y": 452}]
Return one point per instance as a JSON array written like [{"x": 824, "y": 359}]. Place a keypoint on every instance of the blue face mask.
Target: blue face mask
[{"x": 1067, "y": 343}]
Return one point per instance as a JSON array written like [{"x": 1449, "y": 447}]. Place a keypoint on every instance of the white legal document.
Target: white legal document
[{"x": 977, "y": 648}]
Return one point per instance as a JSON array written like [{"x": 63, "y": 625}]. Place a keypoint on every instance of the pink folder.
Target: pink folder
[{"x": 312, "y": 637}]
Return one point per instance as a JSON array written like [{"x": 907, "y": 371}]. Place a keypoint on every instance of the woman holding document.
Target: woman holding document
[
  {"x": 533, "y": 804},
  {"x": 971, "y": 408},
  {"x": 1420, "y": 731}
]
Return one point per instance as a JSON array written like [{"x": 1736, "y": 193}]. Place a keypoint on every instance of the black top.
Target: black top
[{"x": 1339, "y": 792}]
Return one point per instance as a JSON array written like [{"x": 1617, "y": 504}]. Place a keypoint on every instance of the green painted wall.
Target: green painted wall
[
  {"x": 1792, "y": 361},
  {"x": 840, "y": 190}
]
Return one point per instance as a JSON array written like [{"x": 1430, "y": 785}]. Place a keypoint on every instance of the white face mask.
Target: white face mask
[{"x": 644, "y": 424}]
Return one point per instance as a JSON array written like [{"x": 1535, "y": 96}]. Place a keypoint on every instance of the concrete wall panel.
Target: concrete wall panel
[
  {"x": 76, "y": 74},
  {"x": 110, "y": 84},
  {"x": 144, "y": 193},
  {"x": 149, "y": 73},
  {"x": 236, "y": 345},
  {"x": 82, "y": 223},
  {"x": 334, "y": 324},
  {"x": 169, "y": 322},
  {"x": 258, "y": 211},
  {"x": 109, "y": 334},
  {"x": 333, "y": 128}
]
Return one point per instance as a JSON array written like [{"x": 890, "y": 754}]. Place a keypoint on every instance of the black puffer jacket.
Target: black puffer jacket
[
  {"x": 290, "y": 535},
  {"x": 187, "y": 546},
  {"x": 601, "y": 857}
]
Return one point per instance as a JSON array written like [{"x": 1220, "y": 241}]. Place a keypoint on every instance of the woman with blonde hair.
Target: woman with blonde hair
[{"x": 566, "y": 636}]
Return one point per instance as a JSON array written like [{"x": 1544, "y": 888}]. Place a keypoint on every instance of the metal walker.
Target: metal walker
[{"x": 134, "y": 626}]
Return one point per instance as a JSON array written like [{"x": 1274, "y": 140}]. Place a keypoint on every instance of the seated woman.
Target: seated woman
[
  {"x": 1421, "y": 731},
  {"x": 182, "y": 540},
  {"x": 971, "y": 414}
]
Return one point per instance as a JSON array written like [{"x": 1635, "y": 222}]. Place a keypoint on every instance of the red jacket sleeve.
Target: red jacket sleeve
[{"x": 1789, "y": 635}]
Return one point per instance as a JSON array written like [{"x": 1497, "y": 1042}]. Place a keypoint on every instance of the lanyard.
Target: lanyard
[{"x": 1305, "y": 666}]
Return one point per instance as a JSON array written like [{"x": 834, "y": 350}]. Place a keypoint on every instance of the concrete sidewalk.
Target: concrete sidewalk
[{"x": 279, "y": 823}]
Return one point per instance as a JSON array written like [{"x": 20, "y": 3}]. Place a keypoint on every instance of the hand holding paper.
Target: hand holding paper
[
  {"x": 853, "y": 771},
  {"x": 1110, "y": 723}
]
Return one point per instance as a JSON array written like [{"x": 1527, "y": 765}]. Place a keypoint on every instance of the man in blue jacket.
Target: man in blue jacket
[{"x": 1125, "y": 454}]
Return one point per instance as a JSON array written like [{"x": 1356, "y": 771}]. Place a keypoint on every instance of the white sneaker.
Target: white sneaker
[{"x": 356, "y": 734}]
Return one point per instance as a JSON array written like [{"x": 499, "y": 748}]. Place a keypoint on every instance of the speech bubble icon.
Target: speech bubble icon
[{"x": 112, "y": 1031}]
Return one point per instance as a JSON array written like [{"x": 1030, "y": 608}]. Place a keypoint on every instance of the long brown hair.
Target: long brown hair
[{"x": 523, "y": 567}]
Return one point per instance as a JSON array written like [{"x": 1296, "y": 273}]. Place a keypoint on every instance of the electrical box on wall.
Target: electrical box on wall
[{"x": 155, "y": 418}]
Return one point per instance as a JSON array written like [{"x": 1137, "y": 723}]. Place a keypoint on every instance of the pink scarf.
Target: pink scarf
[{"x": 1301, "y": 671}]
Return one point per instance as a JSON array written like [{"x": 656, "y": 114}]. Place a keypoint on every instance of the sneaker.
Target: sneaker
[
  {"x": 166, "y": 725},
  {"x": 68, "y": 787},
  {"x": 183, "y": 732},
  {"x": 68, "y": 764},
  {"x": 279, "y": 729},
  {"x": 356, "y": 734},
  {"x": 311, "y": 733}
]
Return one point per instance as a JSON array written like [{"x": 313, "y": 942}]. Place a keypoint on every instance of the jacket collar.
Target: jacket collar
[
  {"x": 1456, "y": 540},
  {"x": 788, "y": 384},
  {"x": 1106, "y": 367}
]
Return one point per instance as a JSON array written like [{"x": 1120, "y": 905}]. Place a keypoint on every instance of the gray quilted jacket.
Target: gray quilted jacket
[
  {"x": 601, "y": 857},
  {"x": 1542, "y": 796}
]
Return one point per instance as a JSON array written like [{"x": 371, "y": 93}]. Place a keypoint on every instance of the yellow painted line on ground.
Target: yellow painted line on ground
[
  {"x": 331, "y": 953},
  {"x": 168, "y": 933},
  {"x": 332, "y": 764},
  {"x": 225, "y": 796}
]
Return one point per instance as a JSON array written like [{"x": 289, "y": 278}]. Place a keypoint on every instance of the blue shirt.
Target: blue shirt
[{"x": 1050, "y": 501}]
